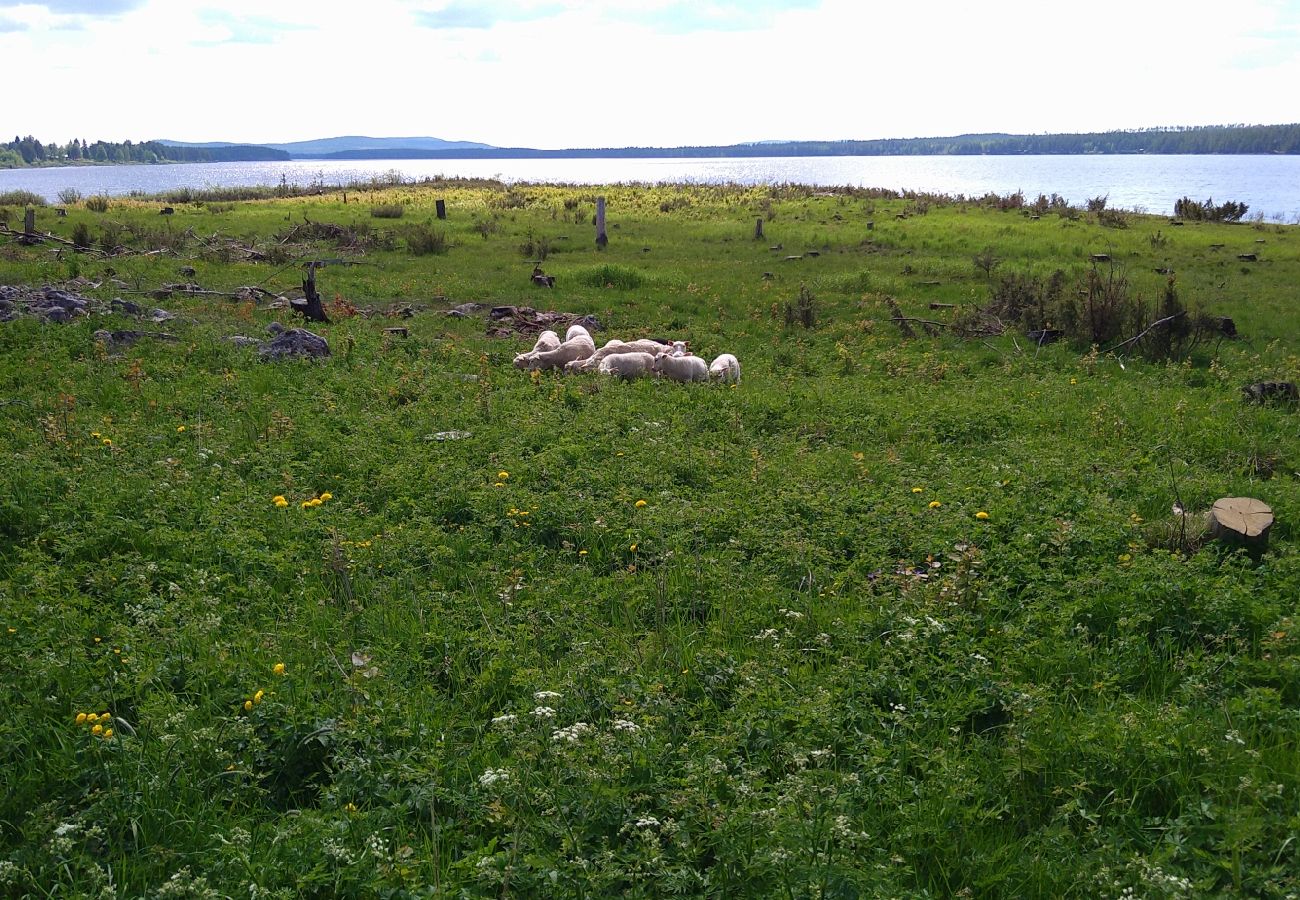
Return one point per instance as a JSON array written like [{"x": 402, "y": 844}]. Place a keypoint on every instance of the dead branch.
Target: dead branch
[{"x": 1156, "y": 324}]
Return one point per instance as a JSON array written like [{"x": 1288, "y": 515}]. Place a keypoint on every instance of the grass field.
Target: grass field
[{"x": 893, "y": 617}]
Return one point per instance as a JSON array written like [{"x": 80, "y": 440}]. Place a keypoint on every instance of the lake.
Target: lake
[{"x": 1269, "y": 185}]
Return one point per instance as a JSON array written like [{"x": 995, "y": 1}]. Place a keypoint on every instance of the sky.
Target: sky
[{"x": 615, "y": 73}]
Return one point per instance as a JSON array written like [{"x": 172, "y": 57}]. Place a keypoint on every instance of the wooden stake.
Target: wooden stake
[
  {"x": 758, "y": 229},
  {"x": 601, "y": 238},
  {"x": 441, "y": 206}
]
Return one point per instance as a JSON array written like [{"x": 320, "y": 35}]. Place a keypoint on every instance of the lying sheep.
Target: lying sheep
[
  {"x": 680, "y": 368},
  {"x": 628, "y": 365},
  {"x": 546, "y": 341},
  {"x": 726, "y": 368},
  {"x": 577, "y": 345},
  {"x": 615, "y": 346}
]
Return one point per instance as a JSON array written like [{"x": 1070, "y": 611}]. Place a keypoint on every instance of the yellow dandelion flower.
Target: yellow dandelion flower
[
  {"x": 13, "y": 630},
  {"x": 257, "y": 698},
  {"x": 935, "y": 504},
  {"x": 81, "y": 718},
  {"x": 1125, "y": 557},
  {"x": 503, "y": 475},
  {"x": 278, "y": 668},
  {"x": 180, "y": 429},
  {"x": 248, "y": 706},
  {"x": 94, "y": 434},
  {"x": 98, "y": 729},
  {"x": 107, "y": 443},
  {"x": 582, "y": 552},
  {"x": 1074, "y": 381},
  {"x": 327, "y": 496},
  {"x": 632, "y": 548},
  {"x": 306, "y": 504},
  {"x": 640, "y": 503},
  {"x": 281, "y": 503},
  {"x": 97, "y": 640},
  {"x": 917, "y": 490},
  {"x": 499, "y": 484},
  {"x": 981, "y": 515},
  {"x": 316, "y": 502},
  {"x": 108, "y": 733}
]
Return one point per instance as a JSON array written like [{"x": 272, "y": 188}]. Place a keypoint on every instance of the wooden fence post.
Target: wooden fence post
[
  {"x": 758, "y": 229},
  {"x": 29, "y": 221},
  {"x": 601, "y": 238},
  {"x": 441, "y": 206}
]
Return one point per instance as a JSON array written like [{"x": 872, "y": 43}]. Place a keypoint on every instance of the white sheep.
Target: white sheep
[
  {"x": 680, "y": 348},
  {"x": 577, "y": 345},
  {"x": 681, "y": 368},
  {"x": 628, "y": 365},
  {"x": 615, "y": 346},
  {"x": 726, "y": 368},
  {"x": 546, "y": 341}
]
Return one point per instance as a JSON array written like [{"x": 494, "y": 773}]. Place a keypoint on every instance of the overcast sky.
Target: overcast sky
[{"x": 601, "y": 73}]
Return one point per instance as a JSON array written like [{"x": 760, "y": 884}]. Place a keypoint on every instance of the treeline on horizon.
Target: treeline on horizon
[
  {"x": 1218, "y": 139},
  {"x": 28, "y": 151},
  {"x": 1215, "y": 139}
]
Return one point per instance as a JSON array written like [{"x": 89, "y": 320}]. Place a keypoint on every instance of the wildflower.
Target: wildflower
[
  {"x": 917, "y": 490},
  {"x": 543, "y": 712},
  {"x": 306, "y": 504},
  {"x": 248, "y": 706},
  {"x": 257, "y": 698},
  {"x": 499, "y": 484},
  {"x": 503, "y": 721},
  {"x": 647, "y": 822},
  {"x": 580, "y": 553},
  {"x": 106, "y": 442},
  {"x": 279, "y": 500},
  {"x": 180, "y": 429},
  {"x": 571, "y": 734},
  {"x": 316, "y": 502},
  {"x": 351, "y": 807},
  {"x": 94, "y": 434},
  {"x": 327, "y": 496},
  {"x": 104, "y": 717},
  {"x": 108, "y": 733},
  {"x": 1125, "y": 557},
  {"x": 547, "y": 695},
  {"x": 632, "y": 548},
  {"x": 492, "y": 776},
  {"x": 278, "y": 668},
  {"x": 1074, "y": 381},
  {"x": 935, "y": 504},
  {"x": 640, "y": 503},
  {"x": 981, "y": 515},
  {"x": 502, "y": 475},
  {"x": 81, "y": 718},
  {"x": 625, "y": 725},
  {"x": 98, "y": 729}
]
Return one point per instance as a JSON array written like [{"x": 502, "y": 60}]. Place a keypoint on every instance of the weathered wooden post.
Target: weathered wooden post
[
  {"x": 441, "y": 207},
  {"x": 601, "y": 238},
  {"x": 29, "y": 222},
  {"x": 758, "y": 229},
  {"x": 312, "y": 309}
]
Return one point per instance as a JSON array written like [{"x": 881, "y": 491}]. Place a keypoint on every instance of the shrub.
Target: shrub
[
  {"x": 1097, "y": 204},
  {"x": 424, "y": 240},
  {"x": 81, "y": 236},
  {"x": 388, "y": 211},
  {"x": 21, "y": 198},
  {"x": 803, "y": 311},
  {"x": 986, "y": 261},
  {"x": 1111, "y": 218},
  {"x": 69, "y": 196},
  {"x": 97, "y": 203},
  {"x": 1231, "y": 211},
  {"x": 534, "y": 248}
]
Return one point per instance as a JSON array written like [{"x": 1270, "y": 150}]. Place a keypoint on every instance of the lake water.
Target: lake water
[{"x": 1269, "y": 185}]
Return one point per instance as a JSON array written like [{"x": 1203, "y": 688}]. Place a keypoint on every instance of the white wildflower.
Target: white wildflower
[
  {"x": 571, "y": 734},
  {"x": 543, "y": 712},
  {"x": 492, "y": 776},
  {"x": 648, "y": 822},
  {"x": 625, "y": 725},
  {"x": 505, "y": 721},
  {"x": 542, "y": 696}
]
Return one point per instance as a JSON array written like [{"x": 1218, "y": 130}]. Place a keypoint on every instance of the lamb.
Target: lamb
[
  {"x": 680, "y": 368},
  {"x": 546, "y": 341},
  {"x": 577, "y": 345},
  {"x": 628, "y": 365},
  {"x": 726, "y": 368},
  {"x": 615, "y": 346}
]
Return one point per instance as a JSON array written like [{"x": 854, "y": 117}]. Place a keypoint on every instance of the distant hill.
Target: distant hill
[{"x": 1214, "y": 139}]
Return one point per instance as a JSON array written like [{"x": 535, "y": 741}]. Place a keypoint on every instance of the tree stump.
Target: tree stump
[
  {"x": 1242, "y": 521},
  {"x": 440, "y": 206},
  {"x": 758, "y": 229}
]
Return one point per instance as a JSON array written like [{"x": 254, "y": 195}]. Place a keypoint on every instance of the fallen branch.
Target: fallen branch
[{"x": 1156, "y": 324}]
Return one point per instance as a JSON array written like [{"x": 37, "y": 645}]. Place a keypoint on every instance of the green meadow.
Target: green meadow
[{"x": 896, "y": 616}]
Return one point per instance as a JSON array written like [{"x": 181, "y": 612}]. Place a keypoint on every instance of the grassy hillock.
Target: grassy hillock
[{"x": 895, "y": 616}]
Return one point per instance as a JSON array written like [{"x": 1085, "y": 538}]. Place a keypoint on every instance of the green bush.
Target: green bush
[
  {"x": 611, "y": 275},
  {"x": 97, "y": 203},
  {"x": 21, "y": 198},
  {"x": 388, "y": 211},
  {"x": 423, "y": 240}
]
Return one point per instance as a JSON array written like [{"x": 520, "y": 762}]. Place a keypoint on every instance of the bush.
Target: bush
[
  {"x": 97, "y": 203},
  {"x": 68, "y": 196},
  {"x": 425, "y": 240},
  {"x": 388, "y": 211},
  {"x": 81, "y": 236},
  {"x": 534, "y": 248},
  {"x": 1187, "y": 208},
  {"x": 21, "y": 198}
]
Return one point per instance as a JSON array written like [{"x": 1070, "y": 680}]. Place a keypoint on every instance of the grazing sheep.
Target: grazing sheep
[
  {"x": 680, "y": 348},
  {"x": 546, "y": 341},
  {"x": 614, "y": 347},
  {"x": 681, "y": 368},
  {"x": 726, "y": 368},
  {"x": 577, "y": 345},
  {"x": 628, "y": 365}
]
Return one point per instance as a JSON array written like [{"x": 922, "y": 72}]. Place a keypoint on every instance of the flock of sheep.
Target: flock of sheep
[{"x": 625, "y": 359}]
